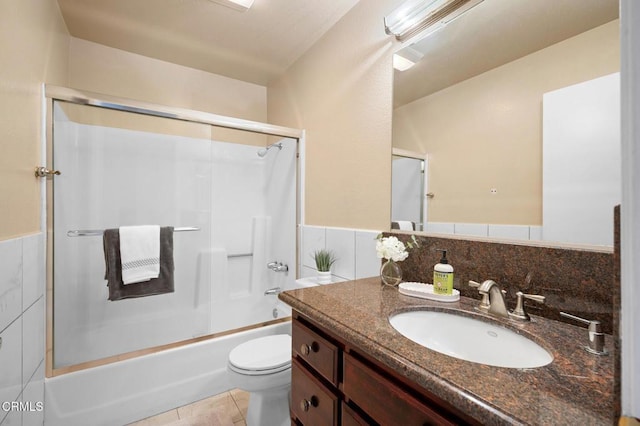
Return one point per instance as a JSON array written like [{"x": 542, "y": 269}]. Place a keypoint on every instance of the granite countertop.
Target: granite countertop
[{"x": 576, "y": 388}]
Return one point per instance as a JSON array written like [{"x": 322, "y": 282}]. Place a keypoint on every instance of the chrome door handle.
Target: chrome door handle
[{"x": 43, "y": 172}]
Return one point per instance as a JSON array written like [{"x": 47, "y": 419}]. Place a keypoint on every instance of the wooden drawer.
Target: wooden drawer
[
  {"x": 351, "y": 418},
  {"x": 311, "y": 403},
  {"x": 317, "y": 351},
  {"x": 385, "y": 401}
]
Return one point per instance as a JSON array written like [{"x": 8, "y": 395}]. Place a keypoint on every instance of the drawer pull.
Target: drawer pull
[
  {"x": 306, "y": 404},
  {"x": 307, "y": 349}
]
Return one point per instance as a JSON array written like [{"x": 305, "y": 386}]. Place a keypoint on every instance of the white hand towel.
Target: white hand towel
[
  {"x": 140, "y": 253},
  {"x": 405, "y": 225}
]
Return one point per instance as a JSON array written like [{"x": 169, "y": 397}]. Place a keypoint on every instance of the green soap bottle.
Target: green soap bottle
[{"x": 443, "y": 276}]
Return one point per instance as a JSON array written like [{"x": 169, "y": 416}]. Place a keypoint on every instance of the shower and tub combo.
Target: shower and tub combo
[{"x": 115, "y": 362}]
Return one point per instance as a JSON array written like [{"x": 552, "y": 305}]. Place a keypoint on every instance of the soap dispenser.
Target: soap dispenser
[{"x": 443, "y": 276}]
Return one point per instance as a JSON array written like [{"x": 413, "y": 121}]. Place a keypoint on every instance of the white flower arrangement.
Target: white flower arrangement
[{"x": 391, "y": 248}]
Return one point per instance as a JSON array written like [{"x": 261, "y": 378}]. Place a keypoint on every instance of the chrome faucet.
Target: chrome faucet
[
  {"x": 278, "y": 267},
  {"x": 492, "y": 298},
  {"x": 493, "y": 301}
]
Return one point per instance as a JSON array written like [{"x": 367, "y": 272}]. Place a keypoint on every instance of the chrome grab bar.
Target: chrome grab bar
[{"x": 240, "y": 255}]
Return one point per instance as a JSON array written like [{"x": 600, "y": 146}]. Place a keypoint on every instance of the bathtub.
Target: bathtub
[{"x": 133, "y": 389}]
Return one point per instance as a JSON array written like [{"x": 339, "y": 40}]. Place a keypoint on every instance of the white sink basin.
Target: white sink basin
[{"x": 470, "y": 339}]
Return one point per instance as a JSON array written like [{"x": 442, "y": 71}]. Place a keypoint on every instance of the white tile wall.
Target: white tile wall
[
  {"x": 33, "y": 274},
  {"x": 33, "y": 394},
  {"x": 307, "y": 272},
  {"x": 511, "y": 232},
  {"x": 367, "y": 262},
  {"x": 535, "y": 233},
  {"x": 440, "y": 227},
  {"x": 354, "y": 248},
  {"x": 22, "y": 329},
  {"x": 313, "y": 238},
  {"x": 11, "y": 362},
  {"x": 342, "y": 242},
  {"x": 32, "y": 339},
  {"x": 13, "y": 417},
  {"x": 10, "y": 281},
  {"x": 475, "y": 229}
]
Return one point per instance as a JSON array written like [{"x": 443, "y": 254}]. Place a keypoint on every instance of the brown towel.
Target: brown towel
[{"x": 113, "y": 267}]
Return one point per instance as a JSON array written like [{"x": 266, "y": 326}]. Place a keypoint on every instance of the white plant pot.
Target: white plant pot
[{"x": 324, "y": 277}]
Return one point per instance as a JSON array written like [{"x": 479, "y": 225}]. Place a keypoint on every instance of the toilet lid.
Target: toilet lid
[{"x": 263, "y": 353}]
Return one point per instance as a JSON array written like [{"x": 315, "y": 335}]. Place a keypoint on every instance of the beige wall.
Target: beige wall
[
  {"x": 43, "y": 51},
  {"x": 486, "y": 132},
  {"x": 34, "y": 50},
  {"x": 98, "y": 68},
  {"x": 101, "y": 69},
  {"x": 340, "y": 93}
]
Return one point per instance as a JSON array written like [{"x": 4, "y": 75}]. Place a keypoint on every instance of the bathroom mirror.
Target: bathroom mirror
[{"x": 474, "y": 103}]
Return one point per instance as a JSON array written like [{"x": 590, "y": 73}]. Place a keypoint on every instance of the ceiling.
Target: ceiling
[
  {"x": 254, "y": 46},
  {"x": 261, "y": 43},
  {"x": 492, "y": 34}
]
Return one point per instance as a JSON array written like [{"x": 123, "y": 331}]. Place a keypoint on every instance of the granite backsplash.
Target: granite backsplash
[{"x": 573, "y": 280}]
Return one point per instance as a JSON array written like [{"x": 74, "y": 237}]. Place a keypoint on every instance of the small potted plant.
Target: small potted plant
[{"x": 324, "y": 259}]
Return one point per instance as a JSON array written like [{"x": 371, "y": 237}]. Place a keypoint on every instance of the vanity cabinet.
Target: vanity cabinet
[{"x": 336, "y": 383}]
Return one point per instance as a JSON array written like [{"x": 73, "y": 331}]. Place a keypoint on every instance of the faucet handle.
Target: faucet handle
[
  {"x": 534, "y": 297},
  {"x": 484, "y": 304},
  {"x": 519, "y": 312},
  {"x": 596, "y": 336}
]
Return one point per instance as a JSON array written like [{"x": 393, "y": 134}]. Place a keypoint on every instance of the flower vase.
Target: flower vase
[{"x": 390, "y": 273}]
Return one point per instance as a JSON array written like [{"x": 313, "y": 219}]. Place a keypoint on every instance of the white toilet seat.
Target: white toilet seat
[{"x": 262, "y": 356}]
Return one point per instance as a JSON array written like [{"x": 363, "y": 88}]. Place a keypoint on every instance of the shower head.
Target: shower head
[{"x": 263, "y": 151}]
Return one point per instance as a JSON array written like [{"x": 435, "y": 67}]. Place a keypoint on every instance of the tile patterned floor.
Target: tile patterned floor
[{"x": 225, "y": 409}]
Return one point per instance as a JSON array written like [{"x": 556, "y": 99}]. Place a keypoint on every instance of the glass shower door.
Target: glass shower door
[{"x": 120, "y": 169}]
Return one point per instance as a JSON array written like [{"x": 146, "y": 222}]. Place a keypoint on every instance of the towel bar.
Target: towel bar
[{"x": 97, "y": 232}]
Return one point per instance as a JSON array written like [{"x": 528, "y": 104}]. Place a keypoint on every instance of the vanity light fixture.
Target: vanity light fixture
[
  {"x": 240, "y": 5},
  {"x": 406, "y": 58},
  {"x": 422, "y": 17}
]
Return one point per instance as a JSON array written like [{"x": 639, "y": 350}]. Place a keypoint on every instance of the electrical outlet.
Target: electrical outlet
[{"x": 494, "y": 190}]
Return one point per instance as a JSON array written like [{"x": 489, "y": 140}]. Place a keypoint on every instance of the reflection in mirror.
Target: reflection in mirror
[
  {"x": 474, "y": 104},
  {"x": 408, "y": 191}
]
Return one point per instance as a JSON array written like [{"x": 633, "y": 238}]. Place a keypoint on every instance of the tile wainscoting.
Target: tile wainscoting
[
  {"x": 511, "y": 232},
  {"x": 355, "y": 250},
  {"x": 22, "y": 330}
]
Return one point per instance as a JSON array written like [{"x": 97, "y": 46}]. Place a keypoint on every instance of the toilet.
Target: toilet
[{"x": 262, "y": 367}]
